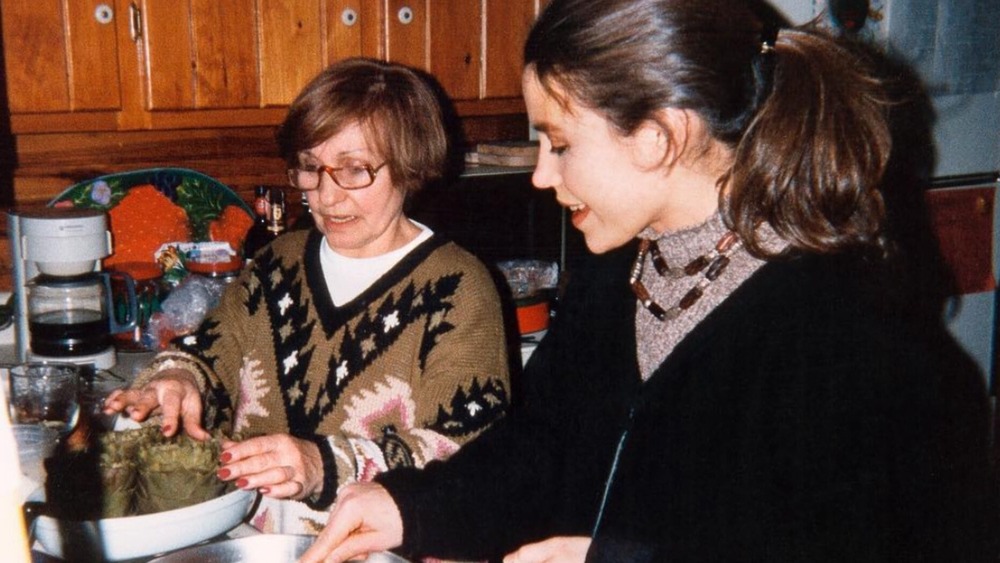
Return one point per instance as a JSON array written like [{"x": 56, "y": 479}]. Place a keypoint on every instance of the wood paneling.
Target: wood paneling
[
  {"x": 167, "y": 32},
  {"x": 507, "y": 25},
  {"x": 34, "y": 29},
  {"x": 93, "y": 57},
  {"x": 455, "y": 49},
  {"x": 225, "y": 54},
  {"x": 291, "y": 48},
  {"x": 406, "y": 41},
  {"x": 344, "y": 36}
]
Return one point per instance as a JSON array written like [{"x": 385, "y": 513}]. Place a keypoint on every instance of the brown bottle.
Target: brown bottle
[
  {"x": 276, "y": 221},
  {"x": 258, "y": 235}
]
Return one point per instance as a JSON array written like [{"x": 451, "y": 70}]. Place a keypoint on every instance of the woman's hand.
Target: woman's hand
[
  {"x": 561, "y": 549},
  {"x": 364, "y": 520},
  {"x": 173, "y": 393},
  {"x": 277, "y": 465}
]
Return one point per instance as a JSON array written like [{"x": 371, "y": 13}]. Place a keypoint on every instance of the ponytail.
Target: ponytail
[{"x": 812, "y": 157}]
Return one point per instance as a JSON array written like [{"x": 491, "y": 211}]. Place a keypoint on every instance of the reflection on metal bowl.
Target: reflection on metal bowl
[
  {"x": 117, "y": 539},
  {"x": 265, "y": 548}
]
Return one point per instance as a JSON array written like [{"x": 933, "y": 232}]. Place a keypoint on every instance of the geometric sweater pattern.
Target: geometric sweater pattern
[{"x": 405, "y": 373}]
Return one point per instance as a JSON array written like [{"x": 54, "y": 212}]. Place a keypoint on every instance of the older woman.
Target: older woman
[{"x": 364, "y": 344}]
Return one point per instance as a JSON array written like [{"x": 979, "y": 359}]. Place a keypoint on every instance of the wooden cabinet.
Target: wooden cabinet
[
  {"x": 87, "y": 65},
  {"x": 120, "y": 65},
  {"x": 96, "y": 87},
  {"x": 239, "y": 62},
  {"x": 472, "y": 48},
  {"x": 62, "y": 58}
]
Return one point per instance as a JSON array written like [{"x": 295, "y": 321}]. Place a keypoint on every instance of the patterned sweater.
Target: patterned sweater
[{"x": 407, "y": 372}]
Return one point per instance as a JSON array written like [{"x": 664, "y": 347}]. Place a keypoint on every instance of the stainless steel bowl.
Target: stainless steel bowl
[{"x": 265, "y": 548}]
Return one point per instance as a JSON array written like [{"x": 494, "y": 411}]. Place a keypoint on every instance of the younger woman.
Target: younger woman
[{"x": 730, "y": 379}]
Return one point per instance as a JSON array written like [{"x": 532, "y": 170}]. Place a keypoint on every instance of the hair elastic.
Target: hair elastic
[{"x": 768, "y": 38}]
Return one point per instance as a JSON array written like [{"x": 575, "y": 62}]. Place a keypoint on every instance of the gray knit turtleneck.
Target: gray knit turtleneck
[{"x": 655, "y": 339}]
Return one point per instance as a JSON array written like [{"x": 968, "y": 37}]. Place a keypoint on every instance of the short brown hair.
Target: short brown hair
[{"x": 395, "y": 106}]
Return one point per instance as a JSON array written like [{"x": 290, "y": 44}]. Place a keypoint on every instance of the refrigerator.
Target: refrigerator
[{"x": 953, "y": 48}]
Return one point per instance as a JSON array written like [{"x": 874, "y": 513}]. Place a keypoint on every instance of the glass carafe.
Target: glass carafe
[{"x": 69, "y": 316}]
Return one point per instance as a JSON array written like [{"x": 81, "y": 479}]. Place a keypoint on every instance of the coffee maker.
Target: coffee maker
[{"x": 63, "y": 305}]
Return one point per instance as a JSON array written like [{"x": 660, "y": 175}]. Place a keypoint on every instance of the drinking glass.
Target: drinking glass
[{"x": 45, "y": 393}]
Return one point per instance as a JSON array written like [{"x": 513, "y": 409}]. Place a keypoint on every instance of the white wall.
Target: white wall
[{"x": 797, "y": 11}]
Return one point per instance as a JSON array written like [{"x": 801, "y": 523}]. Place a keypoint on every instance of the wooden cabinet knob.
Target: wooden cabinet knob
[
  {"x": 104, "y": 14},
  {"x": 349, "y": 17},
  {"x": 405, "y": 15}
]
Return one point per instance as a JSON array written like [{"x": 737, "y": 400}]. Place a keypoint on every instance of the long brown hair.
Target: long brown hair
[{"x": 803, "y": 113}]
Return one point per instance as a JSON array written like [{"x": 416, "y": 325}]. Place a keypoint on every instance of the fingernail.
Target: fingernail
[
  {"x": 241, "y": 483},
  {"x": 167, "y": 428},
  {"x": 264, "y": 490},
  {"x": 223, "y": 473},
  {"x": 225, "y": 457}
]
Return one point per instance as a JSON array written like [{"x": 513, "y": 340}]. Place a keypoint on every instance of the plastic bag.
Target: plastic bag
[
  {"x": 529, "y": 277},
  {"x": 185, "y": 308}
]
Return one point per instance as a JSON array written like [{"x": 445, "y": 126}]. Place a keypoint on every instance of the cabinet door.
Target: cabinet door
[
  {"x": 60, "y": 55},
  {"x": 406, "y": 37},
  {"x": 472, "y": 48},
  {"x": 507, "y": 24},
  {"x": 353, "y": 28},
  {"x": 219, "y": 54},
  {"x": 456, "y": 31},
  {"x": 291, "y": 48},
  {"x": 200, "y": 54}
]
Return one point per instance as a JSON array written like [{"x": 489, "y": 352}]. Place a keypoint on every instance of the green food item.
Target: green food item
[
  {"x": 118, "y": 470},
  {"x": 176, "y": 472},
  {"x": 133, "y": 472}
]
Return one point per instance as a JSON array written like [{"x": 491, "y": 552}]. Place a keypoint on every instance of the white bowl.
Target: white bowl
[{"x": 116, "y": 539}]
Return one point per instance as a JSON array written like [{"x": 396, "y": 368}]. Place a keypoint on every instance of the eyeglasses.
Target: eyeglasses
[{"x": 351, "y": 177}]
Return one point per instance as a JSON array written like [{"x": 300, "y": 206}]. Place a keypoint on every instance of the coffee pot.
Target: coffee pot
[
  {"x": 63, "y": 302},
  {"x": 70, "y": 316}
]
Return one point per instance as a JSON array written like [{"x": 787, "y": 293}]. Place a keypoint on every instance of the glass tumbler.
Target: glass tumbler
[{"x": 45, "y": 393}]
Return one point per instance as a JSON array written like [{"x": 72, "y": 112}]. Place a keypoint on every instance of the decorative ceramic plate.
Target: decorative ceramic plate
[{"x": 150, "y": 207}]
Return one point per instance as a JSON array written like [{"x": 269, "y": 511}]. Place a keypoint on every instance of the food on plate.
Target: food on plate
[
  {"x": 117, "y": 463},
  {"x": 176, "y": 472},
  {"x": 133, "y": 472},
  {"x": 146, "y": 219},
  {"x": 230, "y": 226}
]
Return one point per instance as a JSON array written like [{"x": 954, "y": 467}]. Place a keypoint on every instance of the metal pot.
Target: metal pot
[{"x": 265, "y": 548}]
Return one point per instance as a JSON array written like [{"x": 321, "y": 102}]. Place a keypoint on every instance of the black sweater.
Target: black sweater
[{"x": 802, "y": 420}]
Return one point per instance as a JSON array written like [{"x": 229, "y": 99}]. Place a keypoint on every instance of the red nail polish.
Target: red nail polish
[
  {"x": 241, "y": 483},
  {"x": 225, "y": 457},
  {"x": 166, "y": 429},
  {"x": 223, "y": 473}
]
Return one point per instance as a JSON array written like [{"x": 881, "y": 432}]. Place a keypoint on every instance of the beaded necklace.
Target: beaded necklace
[{"x": 713, "y": 263}]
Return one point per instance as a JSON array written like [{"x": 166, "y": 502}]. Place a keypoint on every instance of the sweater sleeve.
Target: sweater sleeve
[
  {"x": 213, "y": 352},
  {"x": 507, "y": 487}
]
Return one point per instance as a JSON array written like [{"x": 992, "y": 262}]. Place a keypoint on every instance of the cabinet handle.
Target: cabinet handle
[
  {"x": 405, "y": 15},
  {"x": 104, "y": 14},
  {"x": 135, "y": 21},
  {"x": 349, "y": 17}
]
